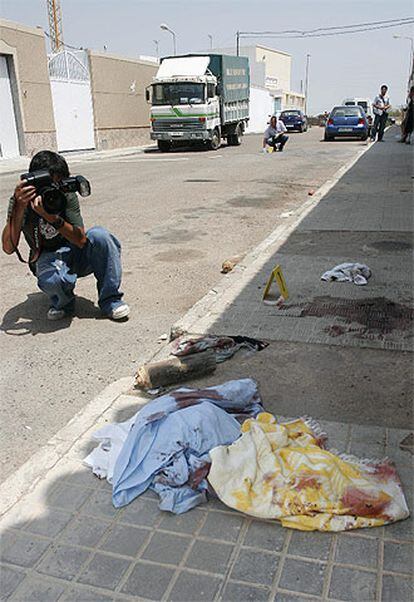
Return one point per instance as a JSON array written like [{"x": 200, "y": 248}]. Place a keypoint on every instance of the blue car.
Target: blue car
[
  {"x": 347, "y": 121},
  {"x": 294, "y": 120}
]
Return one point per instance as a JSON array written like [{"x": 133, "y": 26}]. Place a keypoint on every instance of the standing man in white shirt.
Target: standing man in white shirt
[
  {"x": 381, "y": 106},
  {"x": 275, "y": 134}
]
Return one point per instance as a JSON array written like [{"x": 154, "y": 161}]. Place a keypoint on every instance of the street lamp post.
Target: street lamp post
[
  {"x": 165, "y": 27},
  {"x": 307, "y": 83},
  {"x": 210, "y": 37}
]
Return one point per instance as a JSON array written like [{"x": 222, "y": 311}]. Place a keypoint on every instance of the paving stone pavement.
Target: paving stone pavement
[{"x": 65, "y": 541}]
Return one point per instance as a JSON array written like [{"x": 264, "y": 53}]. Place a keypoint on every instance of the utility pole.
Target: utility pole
[
  {"x": 55, "y": 24},
  {"x": 307, "y": 83},
  {"x": 210, "y": 37},
  {"x": 157, "y": 45},
  {"x": 238, "y": 43}
]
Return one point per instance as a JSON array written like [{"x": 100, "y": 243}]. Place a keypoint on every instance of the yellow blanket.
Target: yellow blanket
[{"x": 282, "y": 471}]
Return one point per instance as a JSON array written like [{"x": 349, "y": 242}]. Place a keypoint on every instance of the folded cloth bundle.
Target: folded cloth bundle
[
  {"x": 358, "y": 273},
  {"x": 282, "y": 471},
  {"x": 166, "y": 445},
  {"x": 223, "y": 346}
]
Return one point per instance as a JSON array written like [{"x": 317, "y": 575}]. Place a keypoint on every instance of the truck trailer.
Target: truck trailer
[{"x": 199, "y": 98}]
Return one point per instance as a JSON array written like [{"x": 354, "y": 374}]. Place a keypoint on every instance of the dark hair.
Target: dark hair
[
  {"x": 56, "y": 164},
  {"x": 384, "y": 86}
]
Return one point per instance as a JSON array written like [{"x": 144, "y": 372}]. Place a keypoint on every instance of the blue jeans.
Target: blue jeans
[
  {"x": 57, "y": 271},
  {"x": 378, "y": 126},
  {"x": 280, "y": 140}
]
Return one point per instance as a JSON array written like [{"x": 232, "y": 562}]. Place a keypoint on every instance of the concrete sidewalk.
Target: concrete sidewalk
[{"x": 337, "y": 352}]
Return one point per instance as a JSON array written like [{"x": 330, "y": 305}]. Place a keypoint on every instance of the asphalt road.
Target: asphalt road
[{"x": 178, "y": 216}]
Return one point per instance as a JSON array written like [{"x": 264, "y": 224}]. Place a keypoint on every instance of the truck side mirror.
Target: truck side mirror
[{"x": 147, "y": 94}]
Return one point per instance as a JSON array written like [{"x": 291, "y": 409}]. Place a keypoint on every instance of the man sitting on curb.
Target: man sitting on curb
[
  {"x": 275, "y": 135},
  {"x": 60, "y": 249}
]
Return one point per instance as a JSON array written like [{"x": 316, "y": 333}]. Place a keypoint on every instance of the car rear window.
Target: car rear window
[
  {"x": 286, "y": 113},
  {"x": 347, "y": 112}
]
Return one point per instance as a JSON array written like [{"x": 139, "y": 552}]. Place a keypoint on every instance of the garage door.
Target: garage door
[{"x": 9, "y": 143}]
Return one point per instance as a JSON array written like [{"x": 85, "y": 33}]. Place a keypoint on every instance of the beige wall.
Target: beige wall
[
  {"x": 121, "y": 112},
  {"x": 31, "y": 86},
  {"x": 278, "y": 66}
]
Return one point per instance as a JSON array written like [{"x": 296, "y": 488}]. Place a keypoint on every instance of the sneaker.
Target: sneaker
[
  {"x": 120, "y": 312},
  {"x": 56, "y": 314}
]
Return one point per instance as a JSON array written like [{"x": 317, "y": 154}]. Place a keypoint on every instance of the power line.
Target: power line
[
  {"x": 328, "y": 31},
  {"x": 402, "y": 20},
  {"x": 318, "y": 35}
]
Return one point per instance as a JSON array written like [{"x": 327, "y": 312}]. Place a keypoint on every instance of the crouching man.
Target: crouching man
[
  {"x": 275, "y": 135},
  {"x": 60, "y": 249}
]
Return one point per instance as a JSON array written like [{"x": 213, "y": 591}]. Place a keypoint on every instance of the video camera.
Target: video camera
[{"x": 53, "y": 193}]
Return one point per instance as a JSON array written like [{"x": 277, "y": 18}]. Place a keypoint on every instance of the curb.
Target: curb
[{"x": 25, "y": 479}]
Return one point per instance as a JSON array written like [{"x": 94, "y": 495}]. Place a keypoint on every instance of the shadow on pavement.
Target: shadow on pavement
[{"x": 29, "y": 317}]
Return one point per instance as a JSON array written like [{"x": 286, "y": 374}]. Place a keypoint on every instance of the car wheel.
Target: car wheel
[
  {"x": 328, "y": 138},
  {"x": 215, "y": 141},
  {"x": 236, "y": 138},
  {"x": 364, "y": 137}
]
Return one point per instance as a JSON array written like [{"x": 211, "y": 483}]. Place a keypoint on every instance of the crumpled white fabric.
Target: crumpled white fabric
[
  {"x": 358, "y": 273},
  {"x": 103, "y": 458}
]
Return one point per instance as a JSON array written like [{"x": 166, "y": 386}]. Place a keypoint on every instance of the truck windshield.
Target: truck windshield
[{"x": 178, "y": 94}]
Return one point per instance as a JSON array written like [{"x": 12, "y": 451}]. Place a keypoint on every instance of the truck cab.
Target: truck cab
[{"x": 189, "y": 104}]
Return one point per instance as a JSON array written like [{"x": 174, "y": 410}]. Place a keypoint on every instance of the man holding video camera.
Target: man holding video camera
[{"x": 45, "y": 208}]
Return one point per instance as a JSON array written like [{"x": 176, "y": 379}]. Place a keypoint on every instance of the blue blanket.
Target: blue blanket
[{"x": 168, "y": 443}]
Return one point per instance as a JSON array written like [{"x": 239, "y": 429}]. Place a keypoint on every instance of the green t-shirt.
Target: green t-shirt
[{"x": 51, "y": 239}]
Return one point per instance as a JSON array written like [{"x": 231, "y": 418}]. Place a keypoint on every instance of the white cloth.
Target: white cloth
[
  {"x": 358, "y": 273},
  {"x": 271, "y": 132},
  {"x": 381, "y": 101}
]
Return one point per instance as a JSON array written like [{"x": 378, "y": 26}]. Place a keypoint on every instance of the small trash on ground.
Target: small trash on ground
[
  {"x": 311, "y": 192},
  {"x": 229, "y": 264},
  {"x": 358, "y": 273},
  {"x": 175, "y": 370},
  {"x": 177, "y": 331},
  {"x": 407, "y": 444},
  {"x": 224, "y": 346},
  {"x": 163, "y": 337},
  {"x": 283, "y": 471}
]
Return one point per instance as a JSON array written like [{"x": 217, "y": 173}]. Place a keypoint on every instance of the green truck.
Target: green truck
[{"x": 200, "y": 98}]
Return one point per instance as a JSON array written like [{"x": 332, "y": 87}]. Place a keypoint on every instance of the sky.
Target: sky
[{"x": 340, "y": 66}]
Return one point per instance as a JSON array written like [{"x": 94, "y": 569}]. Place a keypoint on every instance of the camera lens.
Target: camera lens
[{"x": 54, "y": 201}]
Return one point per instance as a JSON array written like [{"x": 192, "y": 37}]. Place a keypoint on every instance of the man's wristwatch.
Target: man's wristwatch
[{"x": 58, "y": 223}]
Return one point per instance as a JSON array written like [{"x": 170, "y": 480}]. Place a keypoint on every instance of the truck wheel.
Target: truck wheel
[
  {"x": 164, "y": 146},
  {"x": 215, "y": 141},
  {"x": 236, "y": 138}
]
